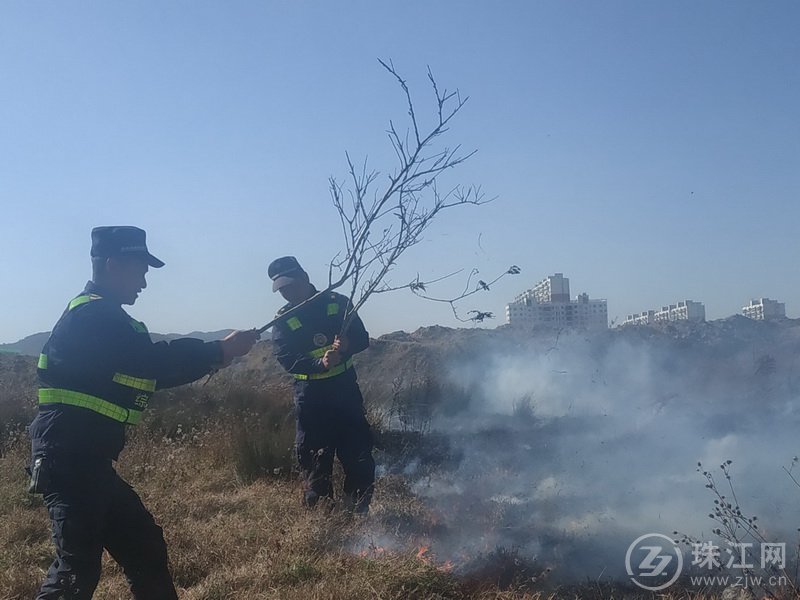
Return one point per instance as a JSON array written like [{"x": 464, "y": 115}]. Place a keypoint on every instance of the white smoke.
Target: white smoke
[{"x": 572, "y": 448}]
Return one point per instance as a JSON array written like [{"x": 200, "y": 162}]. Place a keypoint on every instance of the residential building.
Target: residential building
[
  {"x": 683, "y": 310},
  {"x": 548, "y": 306},
  {"x": 647, "y": 317},
  {"x": 764, "y": 309}
]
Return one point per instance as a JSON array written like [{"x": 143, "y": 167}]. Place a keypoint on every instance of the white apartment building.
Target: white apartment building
[
  {"x": 683, "y": 310},
  {"x": 647, "y": 317},
  {"x": 764, "y": 309},
  {"x": 554, "y": 288},
  {"x": 548, "y": 306}
]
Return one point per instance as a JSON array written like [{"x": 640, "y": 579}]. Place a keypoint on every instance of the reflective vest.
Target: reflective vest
[
  {"x": 324, "y": 322},
  {"x": 126, "y": 395}
]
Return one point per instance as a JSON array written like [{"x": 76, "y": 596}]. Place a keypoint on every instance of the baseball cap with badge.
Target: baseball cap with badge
[
  {"x": 285, "y": 270},
  {"x": 122, "y": 240}
]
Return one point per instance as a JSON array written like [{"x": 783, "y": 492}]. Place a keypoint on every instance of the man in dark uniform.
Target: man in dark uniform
[
  {"x": 328, "y": 402},
  {"x": 97, "y": 372}
]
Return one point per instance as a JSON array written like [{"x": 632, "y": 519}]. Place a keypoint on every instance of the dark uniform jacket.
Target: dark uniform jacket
[
  {"x": 97, "y": 373},
  {"x": 301, "y": 340}
]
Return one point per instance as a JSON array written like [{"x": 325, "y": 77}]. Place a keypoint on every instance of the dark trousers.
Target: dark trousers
[
  {"x": 331, "y": 423},
  {"x": 92, "y": 508}
]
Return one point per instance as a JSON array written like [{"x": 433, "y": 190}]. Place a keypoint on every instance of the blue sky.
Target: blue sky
[{"x": 650, "y": 151}]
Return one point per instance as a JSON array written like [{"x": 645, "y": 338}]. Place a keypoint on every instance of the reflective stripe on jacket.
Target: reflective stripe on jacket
[
  {"x": 99, "y": 369},
  {"x": 302, "y": 339},
  {"x": 124, "y": 404}
]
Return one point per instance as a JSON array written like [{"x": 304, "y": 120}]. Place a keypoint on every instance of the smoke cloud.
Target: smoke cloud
[{"x": 569, "y": 447}]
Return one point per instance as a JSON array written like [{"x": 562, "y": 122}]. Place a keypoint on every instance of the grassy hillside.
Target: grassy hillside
[{"x": 214, "y": 464}]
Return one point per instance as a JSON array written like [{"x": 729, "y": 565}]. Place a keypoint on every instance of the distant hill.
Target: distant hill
[{"x": 32, "y": 345}]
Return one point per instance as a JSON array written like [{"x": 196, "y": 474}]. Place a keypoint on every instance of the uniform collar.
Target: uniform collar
[{"x": 93, "y": 288}]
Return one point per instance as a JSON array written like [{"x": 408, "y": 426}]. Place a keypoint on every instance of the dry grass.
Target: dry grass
[
  {"x": 227, "y": 539},
  {"x": 213, "y": 464},
  {"x": 231, "y": 540}
]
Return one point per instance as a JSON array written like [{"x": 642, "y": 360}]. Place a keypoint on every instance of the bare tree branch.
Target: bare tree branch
[
  {"x": 480, "y": 286},
  {"x": 382, "y": 217}
]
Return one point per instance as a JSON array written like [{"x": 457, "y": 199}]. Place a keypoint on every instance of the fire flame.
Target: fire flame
[{"x": 424, "y": 554}]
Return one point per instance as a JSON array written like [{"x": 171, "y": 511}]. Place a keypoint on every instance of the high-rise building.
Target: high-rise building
[{"x": 547, "y": 305}]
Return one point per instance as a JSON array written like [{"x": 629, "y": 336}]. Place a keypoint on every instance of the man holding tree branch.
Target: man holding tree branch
[{"x": 310, "y": 344}]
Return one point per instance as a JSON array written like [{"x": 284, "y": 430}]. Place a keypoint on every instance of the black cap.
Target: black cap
[
  {"x": 122, "y": 241},
  {"x": 285, "y": 270}
]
